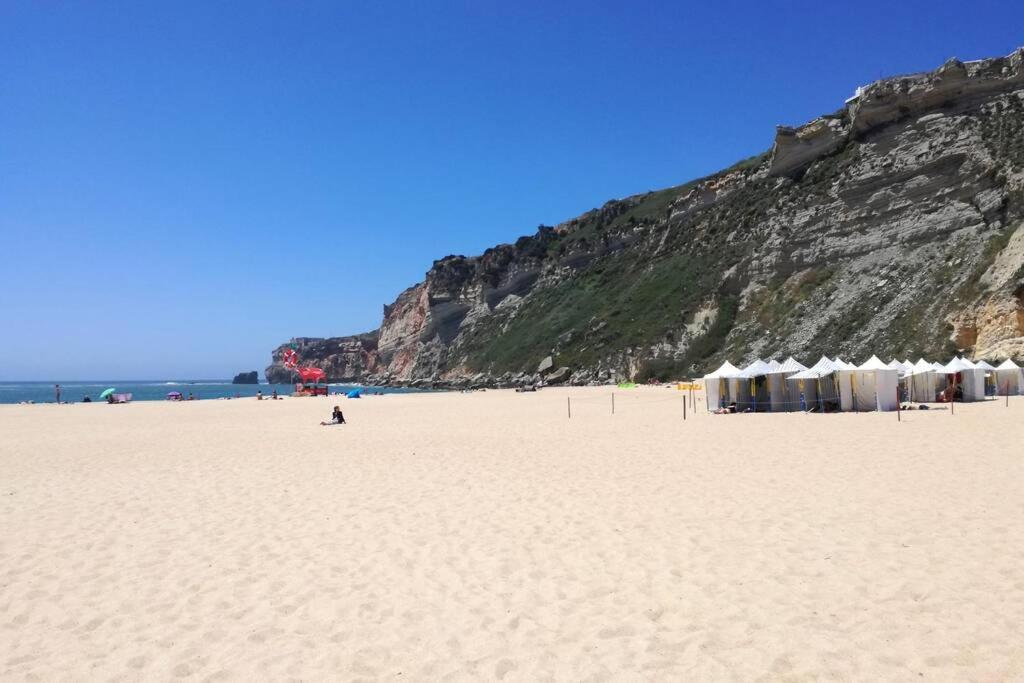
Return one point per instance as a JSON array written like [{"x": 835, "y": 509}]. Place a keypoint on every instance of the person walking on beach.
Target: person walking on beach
[{"x": 56, "y": 389}]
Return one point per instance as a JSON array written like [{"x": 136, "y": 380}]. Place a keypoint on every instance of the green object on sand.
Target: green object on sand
[
  {"x": 107, "y": 392},
  {"x": 627, "y": 385}
]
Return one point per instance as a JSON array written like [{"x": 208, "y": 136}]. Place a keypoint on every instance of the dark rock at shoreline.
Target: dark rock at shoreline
[{"x": 246, "y": 378}]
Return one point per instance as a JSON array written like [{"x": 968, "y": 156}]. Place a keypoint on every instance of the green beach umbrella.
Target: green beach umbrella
[{"x": 107, "y": 392}]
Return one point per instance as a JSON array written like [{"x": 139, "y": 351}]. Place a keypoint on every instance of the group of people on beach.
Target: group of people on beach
[{"x": 273, "y": 397}]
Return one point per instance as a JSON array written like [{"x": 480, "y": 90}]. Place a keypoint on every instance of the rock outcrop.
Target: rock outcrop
[
  {"x": 894, "y": 226},
  {"x": 246, "y": 378},
  {"x": 344, "y": 359}
]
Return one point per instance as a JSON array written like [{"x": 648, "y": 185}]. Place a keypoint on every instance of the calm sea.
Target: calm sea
[{"x": 154, "y": 390}]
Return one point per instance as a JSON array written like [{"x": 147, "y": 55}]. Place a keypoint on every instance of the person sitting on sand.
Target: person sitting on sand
[
  {"x": 728, "y": 410},
  {"x": 336, "y": 417},
  {"x": 259, "y": 395},
  {"x": 274, "y": 395}
]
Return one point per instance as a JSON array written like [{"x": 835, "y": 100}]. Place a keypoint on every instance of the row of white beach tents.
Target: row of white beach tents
[{"x": 835, "y": 385}]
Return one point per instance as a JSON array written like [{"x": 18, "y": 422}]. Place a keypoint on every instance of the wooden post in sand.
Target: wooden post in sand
[
  {"x": 613, "y": 403},
  {"x": 1006, "y": 392},
  {"x": 898, "y": 411},
  {"x": 684, "y": 409},
  {"x": 568, "y": 406}
]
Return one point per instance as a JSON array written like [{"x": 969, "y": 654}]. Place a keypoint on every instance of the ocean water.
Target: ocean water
[{"x": 155, "y": 390}]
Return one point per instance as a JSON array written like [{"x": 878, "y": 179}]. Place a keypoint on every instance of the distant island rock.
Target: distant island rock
[{"x": 246, "y": 378}]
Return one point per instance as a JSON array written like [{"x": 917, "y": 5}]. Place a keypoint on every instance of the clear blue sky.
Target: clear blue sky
[{"x": 183, "y": 186}]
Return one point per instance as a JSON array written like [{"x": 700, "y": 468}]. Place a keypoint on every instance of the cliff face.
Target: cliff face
[
  {"x": 344, "y": 359},
  {"x": 894, "y": 226}
]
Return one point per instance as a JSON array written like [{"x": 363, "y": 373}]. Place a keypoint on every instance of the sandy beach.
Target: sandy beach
[{"x": 486, "y": 536}]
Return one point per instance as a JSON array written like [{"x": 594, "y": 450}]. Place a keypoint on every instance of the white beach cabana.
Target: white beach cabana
[
  {"x": 922, "y": 382},
  {"x": 779, "y": 390},
  {"x": 875, "y": 386},
  {"x": 717, "y": 385},
  {"x": 990, "y": 376},
  {"x": 753, "y": 387},
  {"x": 1010, "y": 378},
  {"x": 964, "y": 381},
  {"x": 818, "y": 387}
]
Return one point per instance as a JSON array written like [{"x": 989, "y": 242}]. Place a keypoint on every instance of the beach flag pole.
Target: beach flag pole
[
  {"x": 684, "y": 409},
  {"x": 568, "y": 406},
  {"x": 898, "y": 411},
  {"x": 613, "y": 403}
]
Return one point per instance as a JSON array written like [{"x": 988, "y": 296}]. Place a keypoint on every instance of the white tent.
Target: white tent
[
  {"x": 964, "y": 381},
  {"x": 782, "y": 398},
  {"x": 875, "y": 386},
  {"x": 716, "y": 384},
  {"x": 895, "y": 365},
  {"x": 990, "y": 376},
  {"x": 1010, "y": 378},
  {"x": 753, "y": 387},
  {"x": 922, "y": 383},
  {"x": 818, "y": 387}
]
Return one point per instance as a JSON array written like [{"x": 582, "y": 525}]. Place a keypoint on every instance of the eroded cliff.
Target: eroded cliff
[{"x": 894, "y": 226}]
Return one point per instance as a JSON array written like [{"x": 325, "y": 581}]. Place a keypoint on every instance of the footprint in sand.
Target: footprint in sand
[
  {"x": 618, "y": 632},
  {"x": 503, "y": 668}
]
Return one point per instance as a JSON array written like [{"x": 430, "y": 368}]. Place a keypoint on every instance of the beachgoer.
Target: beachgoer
[
  {"x": 728, "y": 410},
  {"x": 274, "y": 396},
  {"x": 259, "y": 395},
  {"x": 190, "y": 397},
  {"x": 336, "y": 417},
  {"x": 56, "y": 388},
  {"x": 86, "y": 400}
]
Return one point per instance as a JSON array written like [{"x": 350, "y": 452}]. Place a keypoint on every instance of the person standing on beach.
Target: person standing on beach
[{"x": 56, "y": 389}]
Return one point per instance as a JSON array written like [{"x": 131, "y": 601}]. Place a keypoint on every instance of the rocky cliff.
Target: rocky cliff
[{"x": 894, "y": 226}]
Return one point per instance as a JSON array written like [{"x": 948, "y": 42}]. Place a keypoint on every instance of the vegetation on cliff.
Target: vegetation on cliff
[{"x": 892, "y": 227}]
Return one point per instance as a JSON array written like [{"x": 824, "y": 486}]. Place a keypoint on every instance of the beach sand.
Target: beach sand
[{"x": 486, "y": 536}]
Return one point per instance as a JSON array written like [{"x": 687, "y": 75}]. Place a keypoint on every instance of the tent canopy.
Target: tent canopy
[
  {"x": 921, "y": 367},
  {"x": 823, "y": 367},
  {"x": 1007, "y": 365},
  {"x": 756, "y": 369},
  {"x": 790, "y": 365},
  {"x": 956, "y": 365},
  {"x": 726, "y": 370},
  {"x": 875, "y": 363}
]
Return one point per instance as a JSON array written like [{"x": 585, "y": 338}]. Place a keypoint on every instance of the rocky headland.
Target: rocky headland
[{"x": 893, "y": 226}]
